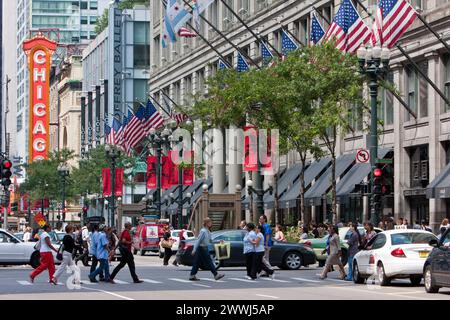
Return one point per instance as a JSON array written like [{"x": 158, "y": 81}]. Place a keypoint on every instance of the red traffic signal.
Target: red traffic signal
[
  {"x": 7, "y": 164},
  {"x": 377, "y": 172}
]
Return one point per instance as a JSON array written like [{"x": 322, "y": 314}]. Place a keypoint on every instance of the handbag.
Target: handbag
[
  {"x": 37, "y": 246},
  {"x": 167, "y": 244},
  {"x": 59, "y": 255}
]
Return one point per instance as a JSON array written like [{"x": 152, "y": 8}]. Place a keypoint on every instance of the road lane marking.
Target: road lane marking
[
  {"x": 370, "y": 291},
  {"x": 201, "y": 285},
  {"x": 89, "y": 283},
  {"x": 335, "y": 280},
  {"x": 275, "y": 280},
  {"x": 266, "y": 296},
  {"x": 306, "y": 280},
  {"x": 180, "y": 280},
  {"x": 243, "y": 280},
  {"x": 406, "y": 292},
  {"x": 150, "y": 281},
  {"x": 110, "y": 293},
  {"x": 211, "y": 280},
  {"x": 120, "y": 282},
  {"x": 24, "y": 283}
]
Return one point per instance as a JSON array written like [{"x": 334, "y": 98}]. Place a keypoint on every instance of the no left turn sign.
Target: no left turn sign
[{"x": 362, "y": 156}]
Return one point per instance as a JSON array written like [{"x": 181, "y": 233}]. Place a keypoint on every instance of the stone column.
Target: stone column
[
  {"x": 219, "y": 166},
  {"x": 235, "y": 156},
  {"x": 401, "y": 159},
  {"x": 436, "y": 154}
]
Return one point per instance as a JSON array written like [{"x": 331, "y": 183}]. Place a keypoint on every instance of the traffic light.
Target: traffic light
[
  {"x": 377, "y": 181},
  {"x": 6, "y": 172}
]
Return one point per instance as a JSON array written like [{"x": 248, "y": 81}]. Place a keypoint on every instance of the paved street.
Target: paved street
[{"x": 171, "y": 283}]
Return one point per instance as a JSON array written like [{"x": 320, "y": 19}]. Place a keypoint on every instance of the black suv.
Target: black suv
[{"x": 436, "y": 271}]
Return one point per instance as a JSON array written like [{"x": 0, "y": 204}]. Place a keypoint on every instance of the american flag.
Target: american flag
[
  {"x": 109, "y": 136},
  {"x": 242, "y": 65},
  {"x": 116, "y": 125},
  {"x": 135, "y": 132},
  {"x": 120, "y": 134},
  {"x": 153, "y": 118},
  {"x": 266, "y": 55},
  {"x": 186, "y": 33},
  {"x": 177, "y": 116},
  {"x": 317, "y": 31},
  {"x": 348, "y": 29},
  {"x": 222, "y": 65},
  {"x": 287, "y": 44},
  {"x": 392, "y": 19}
]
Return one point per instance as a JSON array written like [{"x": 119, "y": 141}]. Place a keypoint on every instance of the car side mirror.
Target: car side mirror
[{"x": 433, "y": 243}]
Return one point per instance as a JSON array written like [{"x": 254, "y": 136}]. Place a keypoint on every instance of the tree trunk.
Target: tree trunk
[
  {"x": 302, "y": 191},
  {"x": 333, "y": 187}
]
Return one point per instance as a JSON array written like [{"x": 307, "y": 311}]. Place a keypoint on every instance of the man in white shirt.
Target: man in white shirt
[
  {"x": 85, "y": 235},
  {"x": 45, "y": 251},
  {"x": 27, "y": 235}
]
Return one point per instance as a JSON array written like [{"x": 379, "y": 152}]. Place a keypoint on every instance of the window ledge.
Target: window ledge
[{"x": 421, "y": 122}]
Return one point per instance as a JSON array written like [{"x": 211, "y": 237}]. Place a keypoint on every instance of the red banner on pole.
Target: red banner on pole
[
  {"x": 106, "y": 181},
  {"x": 250, "y": 148},
  {"x": 188, "y": 172},
  {"x": 173, "y": 178},
  {"x": 165, "y": 174},
  {"x": 151, "y": 172},
  {"x": 118, "y": 183}
]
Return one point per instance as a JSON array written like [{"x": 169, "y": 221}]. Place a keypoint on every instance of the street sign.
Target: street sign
[
  {"x": 385, "y": 161},
  {"x": 40, "y": 219},
  {"x": 362, "y": 156}
]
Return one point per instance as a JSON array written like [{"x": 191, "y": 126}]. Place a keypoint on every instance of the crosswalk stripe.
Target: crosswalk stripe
[
  {"x": 305, "y": 280},
  {"x": 275, "y": 280},
  {"x": 89, "y": 283},
  {"x": 211, "y": 280},
  {"x": 335, "y": 280},
  {"x": 201, "y": 285},
  {"x": 150, "y": 281},
  {"x": 180, "y": 280},
  {"x": 120, "y": 281},
  {"x": 242, "y": 280},
  {"x": 24, "y": 283}
]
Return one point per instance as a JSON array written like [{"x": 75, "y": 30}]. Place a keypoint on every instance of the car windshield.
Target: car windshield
[
  {"x": 175, "y": 233},
  {"x": 411, "y": 238},
  {"x": 361, "y": 231},
  {"x": 237, "y": 235}
]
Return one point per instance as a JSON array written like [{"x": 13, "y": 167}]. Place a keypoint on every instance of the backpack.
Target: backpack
[{"x": 37, "y": 246}]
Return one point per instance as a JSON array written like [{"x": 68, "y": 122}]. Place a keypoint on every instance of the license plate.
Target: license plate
[{"x": 423, "y": 254}]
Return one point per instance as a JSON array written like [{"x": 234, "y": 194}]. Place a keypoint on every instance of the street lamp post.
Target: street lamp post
[
  {"x": 112, "y": 154},
  {"x": 64, "y": 173},
  {"x": 180, "y": 202},
  {"x": 259, "y": 191},
  {"x": 373, "y": 63},
  {"x": 157, "y": 141}
]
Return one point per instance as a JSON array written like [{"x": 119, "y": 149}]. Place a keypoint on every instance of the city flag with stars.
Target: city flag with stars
[
  {"x": 266, "y": 55},
  {"x": 287, "y": 44},
  {"x": 175, "y": 18},
  {"x": 317, "y": 31},
  {"x": 242, "y": 65},
  {"x": 392, "y": 19},
  {"x": 222, "y": 65},
  {"x": 348, "y": 29}
]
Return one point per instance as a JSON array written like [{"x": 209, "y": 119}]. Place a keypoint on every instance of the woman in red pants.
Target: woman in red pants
[{"x": 45, "y": 252}]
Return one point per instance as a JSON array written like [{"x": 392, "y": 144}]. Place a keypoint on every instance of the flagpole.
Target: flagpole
[
  {"x": 225, "y": 38},
  {"x": 204, "y": 39},
  {"x": 427, "y": 25},
  {"x": 290, "y": 33},
  {"x": 259, "y": 39},
  {"x": 416, "y": 67}
]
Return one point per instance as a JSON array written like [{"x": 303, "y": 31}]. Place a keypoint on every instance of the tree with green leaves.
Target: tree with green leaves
[{"x": 102, "y": 22}]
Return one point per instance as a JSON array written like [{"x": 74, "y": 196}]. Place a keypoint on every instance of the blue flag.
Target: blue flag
[
  {"x": 317, "y": 32},
  {"x": 242, "y": 65},
  {"x": 287, "y": 44},
  {"x": 222, "y": 65},
  {"x": 266, "y": 55}
]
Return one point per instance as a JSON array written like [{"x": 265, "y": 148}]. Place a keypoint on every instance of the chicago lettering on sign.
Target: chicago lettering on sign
[{"x": 39, "y": 51}]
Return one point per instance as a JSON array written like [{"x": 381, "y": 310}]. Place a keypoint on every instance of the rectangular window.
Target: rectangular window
[
  {"x": 84, "y": 5},
  {"x": 19, "y": 122},
  {"x": 386, "y": 110},
  {"x": 446, "y": 60},
  {"x": 227, "y": 15},
  {"x": 188, "y": 90},
  {"x": 84, "y": 20},
  {"x": 200, "y": 81},
  {"x": 423, "y": 90},
  {"x": 93, "y": 5},
  {"x": 140, "y": 90},
  {"x": 244, "y": 8},
  {"x": 141, "y": 44},
  {"x": 213, "y": 14},
  {"x": 92, "y": 20},
  {"x": 411, "y": 90}
]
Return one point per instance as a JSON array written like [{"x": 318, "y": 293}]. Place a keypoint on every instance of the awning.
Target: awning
[
  {"x": 439, "y": 188},
  {"x": 284, "y": 182},
  {"x": 313, "y": 197},
  {"x": 354, "y": 176},
  {"x": 289, "y": 199}
]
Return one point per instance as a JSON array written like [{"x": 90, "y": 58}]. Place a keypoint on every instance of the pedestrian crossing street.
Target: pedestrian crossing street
[{"x": 205, "y": 282}]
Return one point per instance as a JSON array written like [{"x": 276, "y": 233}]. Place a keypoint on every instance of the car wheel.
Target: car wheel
[
  {"x": 357, "y": 278},
  {"x": 292, "y": 260},
  {"x": 415, "y": 280},
  {"x": 430, "y": 287},
  {"x": 384, "y": 281},
  {"x": 35, "y": 260},
  {"x": 344, "y": 257},
  {"x": 142, "y": 252}
]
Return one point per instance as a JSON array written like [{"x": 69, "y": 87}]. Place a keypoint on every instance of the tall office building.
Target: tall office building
[{"x": 66, "y": 21}]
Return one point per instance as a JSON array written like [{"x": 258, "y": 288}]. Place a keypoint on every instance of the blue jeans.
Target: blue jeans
[
  {"x": 202, "y": 258},
  {"x": 350, "y": 268},
  {"x": 104, "y": 267}
]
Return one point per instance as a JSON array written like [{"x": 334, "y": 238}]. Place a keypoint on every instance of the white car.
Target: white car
[
  {"x": 393, "y": 254},
  {"x": 175, "y": 235},
  {"x": 13, "y": 251}
]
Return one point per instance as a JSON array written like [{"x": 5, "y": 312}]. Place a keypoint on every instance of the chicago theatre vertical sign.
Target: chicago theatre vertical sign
[{"x": 39, "y": 51}]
